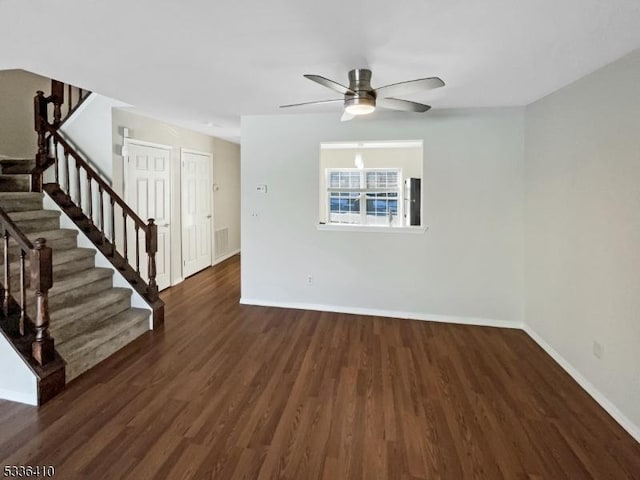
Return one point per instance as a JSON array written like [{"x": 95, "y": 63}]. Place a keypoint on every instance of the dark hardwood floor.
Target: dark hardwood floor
[{"x": 228, "y": 391}]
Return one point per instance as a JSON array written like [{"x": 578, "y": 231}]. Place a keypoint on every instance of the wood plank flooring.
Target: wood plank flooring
[{"x": 239, "y": 392}]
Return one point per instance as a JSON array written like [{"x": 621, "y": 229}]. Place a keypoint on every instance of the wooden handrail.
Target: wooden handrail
[
  {"x": 95, "y": 176},
  {"x": 41, "y": 279},
  {"x": 9, "y": 225}
]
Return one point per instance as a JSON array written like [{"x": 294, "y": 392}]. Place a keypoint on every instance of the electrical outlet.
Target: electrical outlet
[
  {"x": 309, "y": 280},
  {"x": 598, "y": 350}
]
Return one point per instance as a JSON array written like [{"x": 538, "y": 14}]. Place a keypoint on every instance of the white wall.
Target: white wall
[
  {"x": 17, "y": 382},
  {"x": 583, "y": 229},
  {"x": 89, "y": 130},
  {"x": 467, "y": 266}
]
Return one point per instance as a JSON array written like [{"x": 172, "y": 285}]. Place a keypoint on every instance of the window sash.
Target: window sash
[{"x": 364, "y": 215}]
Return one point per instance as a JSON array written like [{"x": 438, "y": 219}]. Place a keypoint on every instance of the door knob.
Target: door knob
[{"x": 208, "y": 216}]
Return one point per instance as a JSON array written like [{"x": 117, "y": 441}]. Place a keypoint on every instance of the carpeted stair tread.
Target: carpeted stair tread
[
  {"x": 87, "y": 349},
  {"x": 61, "y": 257},
  {"x": 12, "y": 166},
  {"x": 72, "y": 289},
  {"x": 78, "y": 279},
  {"x": 15, "y": 183},
  {"x": 36, "y": 220},
  {"x": 33, "y": 214},
  {"x": 60, "y": 239},
  {"x": 88, "y": 313},
  {"x": 20, "y": 201}
]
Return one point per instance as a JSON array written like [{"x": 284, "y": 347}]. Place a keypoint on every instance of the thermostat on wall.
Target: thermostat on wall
[{"x": 261, "y": 189}]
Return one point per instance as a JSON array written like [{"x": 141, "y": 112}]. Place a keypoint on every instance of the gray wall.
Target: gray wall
[
  {"x": 469, "y": 263},
  {"x": 583, "y": 228}
]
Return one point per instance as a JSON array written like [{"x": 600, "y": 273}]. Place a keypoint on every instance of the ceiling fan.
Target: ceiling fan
[{"x": 360, "y": 98}]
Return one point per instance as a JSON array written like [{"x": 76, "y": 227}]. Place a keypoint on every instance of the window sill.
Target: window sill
[{"x": 370, "y": 228}]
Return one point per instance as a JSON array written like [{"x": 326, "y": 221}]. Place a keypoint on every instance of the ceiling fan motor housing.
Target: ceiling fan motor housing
[{"x": 360, "y": 82}]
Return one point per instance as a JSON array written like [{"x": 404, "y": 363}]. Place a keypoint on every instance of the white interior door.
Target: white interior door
[
  {"x": 196, "y": 211},
  {"x": 148, "y": 193}
]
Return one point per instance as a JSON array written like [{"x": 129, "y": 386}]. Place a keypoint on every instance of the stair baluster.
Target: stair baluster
[
  {"x": 152, "y": 249},
  {"x": 23, "y": 290},
  {"x": 124, "y": 238},
  {"x": 42, "y": 280},
  {"x": 6, "y": 298},
  {"x": 57, "y": 98},
  {"x": 137, "y": 249},
  {"x": 113, "y": 227}
]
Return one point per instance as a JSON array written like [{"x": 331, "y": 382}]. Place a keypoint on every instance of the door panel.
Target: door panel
[
  {"x": 196, "y": 212},
  {"x": 147, "y": 191}
]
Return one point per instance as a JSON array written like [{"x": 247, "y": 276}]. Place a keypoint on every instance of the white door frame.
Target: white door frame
[
  {"x": 125, "y": 154},
  {"x": 211, "y": 200}
]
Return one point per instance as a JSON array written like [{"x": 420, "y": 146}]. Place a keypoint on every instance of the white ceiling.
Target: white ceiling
[{"x": 210, "y": 61}]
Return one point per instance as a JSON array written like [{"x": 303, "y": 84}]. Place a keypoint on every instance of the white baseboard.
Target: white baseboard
[
  {"x": 225, "y": 257},
  {"x": 597, "y": 395},
  {"x": 19, "y": 397},
  {"x": 484, "y": 322}
]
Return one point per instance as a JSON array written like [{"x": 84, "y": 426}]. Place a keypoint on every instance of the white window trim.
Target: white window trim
[{"x": 345, "y": 227}]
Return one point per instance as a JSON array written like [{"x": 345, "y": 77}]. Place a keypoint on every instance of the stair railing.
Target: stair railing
[
  {"x": 41, "y": 280},
  {"x": 76, "y": 179},
  {"x": 82, "y": 192},
  {"x": 52, "y": 106}
]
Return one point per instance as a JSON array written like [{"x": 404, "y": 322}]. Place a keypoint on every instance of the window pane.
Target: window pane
[
  {"x": 344, "y": 179},
  {"x": 382, "y": 179},
  {"x": 344, "y": 207}
]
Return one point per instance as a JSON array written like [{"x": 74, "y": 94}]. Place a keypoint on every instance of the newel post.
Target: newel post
[
  {"x": 57, "y": 97},
  {"x": 42, "y": 280},
  {"x": 40, "y": 126},
  {"x": 152, "y": 248}
]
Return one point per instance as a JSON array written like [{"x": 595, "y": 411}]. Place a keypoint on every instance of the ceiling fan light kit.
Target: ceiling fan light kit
[
  {"x": 360, "y": 98},
  {"x": 359, "y": 105}
]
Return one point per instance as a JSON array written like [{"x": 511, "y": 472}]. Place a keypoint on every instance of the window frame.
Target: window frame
[{"x": 363, "y": 191}]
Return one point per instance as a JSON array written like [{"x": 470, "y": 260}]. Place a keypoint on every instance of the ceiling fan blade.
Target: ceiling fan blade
[
  {"x": 325, "y": 82},
  {"x": 346, "y": 116},
  {"x": 312, "y": 103},
  {"x": 407, "y": 88},
  {"x": 404, "y": 105}
]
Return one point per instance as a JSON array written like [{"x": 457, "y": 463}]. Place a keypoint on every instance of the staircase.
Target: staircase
[
  {"x": 60, "y": 312},
  {"x": 89, "y": 318}
]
